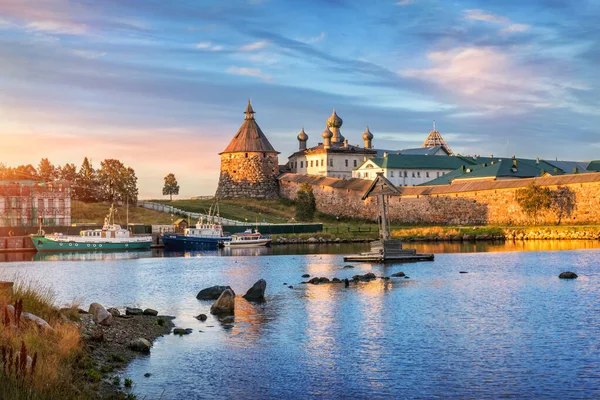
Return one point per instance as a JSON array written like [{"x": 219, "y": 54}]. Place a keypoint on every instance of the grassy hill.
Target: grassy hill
[
  {"x": 274, "y": 211},
  {"x": 95, "y": 213}
]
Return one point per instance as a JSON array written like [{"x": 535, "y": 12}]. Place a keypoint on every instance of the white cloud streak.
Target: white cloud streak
[
  {"x": 254, "y": 46},
  {"x": 253, "y": 72}
]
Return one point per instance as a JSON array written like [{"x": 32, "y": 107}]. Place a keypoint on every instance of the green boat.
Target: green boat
[{"x": 110, "y": 238}]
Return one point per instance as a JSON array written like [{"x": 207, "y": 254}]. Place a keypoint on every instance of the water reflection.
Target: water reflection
[{"x": 316, "y": 249}]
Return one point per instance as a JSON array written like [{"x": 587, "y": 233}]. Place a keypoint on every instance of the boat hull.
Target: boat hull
[
  {"x": 179, "y": 242},
  {"x": 43, "y": 244},
  {"x": 251, "y": 243}
]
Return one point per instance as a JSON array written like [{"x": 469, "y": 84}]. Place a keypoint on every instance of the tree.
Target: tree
[
  {"x": 562, "y": 203},
  {"x": 533, "y": 200},
  {"x": 24, "y": 172},
  {"x": 86, "y": 182},
  {"x": 171, "y": 187},
  {"x": 68, "y": 172},
  {"x": 46, "y": 170},
  {"x": 117, "y": 182},
  {"x": 306, "y": 205}
]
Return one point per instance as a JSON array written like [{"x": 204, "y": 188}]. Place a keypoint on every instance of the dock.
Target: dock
[
  {"x": 383, "y": 251},
  {"x": 386, "y": 249}
]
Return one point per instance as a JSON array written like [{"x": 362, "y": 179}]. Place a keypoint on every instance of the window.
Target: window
[
  {"x": 246, "y": 155},
  {"x": 311, "y": 163},
  {"x": 413, "y": 174},
  {"x": 405, "y": 174},
  {"x": 419, "y": 174},
  {"x": 346, "y": 162},
  {"x": 331, "y": 162},
  {"x": 392, "y": 174},
  {"x": 427, "y": 174},
  {"x": 301, "y": 164},
  {"x": 438, "y": 174},
  {"x": 355, "y": 164},
  {"x": 322, "y": 161}
]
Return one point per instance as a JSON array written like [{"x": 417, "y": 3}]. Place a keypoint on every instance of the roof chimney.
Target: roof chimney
[
  {"x": 385, "y": 154},
  {"x": 537, "y": 160},
  {"x": 515, "y": 162},
  {"x": 491, "y": 156}
]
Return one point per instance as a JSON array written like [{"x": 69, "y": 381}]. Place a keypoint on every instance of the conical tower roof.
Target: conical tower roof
[
  {"x": 435, "y": 139},
  {"x": 249, "y": 138}
]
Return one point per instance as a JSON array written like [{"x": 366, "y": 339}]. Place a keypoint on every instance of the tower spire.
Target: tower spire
[{"x": 249, "y": 111}]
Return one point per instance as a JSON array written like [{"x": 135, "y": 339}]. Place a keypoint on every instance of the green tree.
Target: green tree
[
  {"x": 23, "y": 172},
  {"x": 533, "y": 200},
  {"x": 68, "y": 172},
  {"x": 117, "y": 182},
  {"x": 46, "y": 170},
  {"x": 562, "y": 203},
  {"x": 306, "y": 205},
  {"x": 171, "y": 186},
  {"x": 86, "y": 183}
]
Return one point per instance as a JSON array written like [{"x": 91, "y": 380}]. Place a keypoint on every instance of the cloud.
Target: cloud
[
  {"x": 496, "y": 81},
  {"x": 90, "y": 55},
  {"x": 208, "y": 46},
  {"x": 514, "y": 28},
  {"x": 254, "y": 72},
  {"x": 405, "y": 2},
  {"x": 317, "y": 38},
  {"x": 480, "y": 15},
  {"x": 254, "y": 46}
]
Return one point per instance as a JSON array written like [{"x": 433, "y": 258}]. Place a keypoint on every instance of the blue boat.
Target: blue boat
[{"x": 206, "y": 235}]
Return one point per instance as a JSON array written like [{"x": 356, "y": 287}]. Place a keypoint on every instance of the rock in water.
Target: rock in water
[
  {"x": 100, "y": 315},
  {"x": 149, "y": 311},
  {"x": 182, "y": 331},
  {"x": 567, "y": 275},
  {"x": 201, "y": 317},
  {"x": 348, "y": 266},
  {"x": 399, "y": 274},
  {"x": 133, "y": 311},
  {"x": 306, "y": 276},
  {"x": 212, "y": 293},
  {"x": 257, "y": 291},
  {"x": 141, "y": 345},
  {"x": 225, "y": 304}
]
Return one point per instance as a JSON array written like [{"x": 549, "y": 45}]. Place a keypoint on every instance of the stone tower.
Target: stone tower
[{"x": 249, "y": 164}]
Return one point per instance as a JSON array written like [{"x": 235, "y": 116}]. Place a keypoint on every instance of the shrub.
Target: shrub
[
  {"x": 128, "y": 383},
  {"x": 306, "y": 205},
  {"x": 533, "y": 200}
]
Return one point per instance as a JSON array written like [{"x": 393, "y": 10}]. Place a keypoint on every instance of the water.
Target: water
[{"x": 507, "y": 328}]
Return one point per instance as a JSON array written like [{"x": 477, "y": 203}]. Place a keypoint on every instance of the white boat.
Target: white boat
[
  {"x": 248, "y": 239},
  {"x": 110, "y": 237}
]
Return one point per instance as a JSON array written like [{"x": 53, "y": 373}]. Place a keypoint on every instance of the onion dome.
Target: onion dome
[
  {"x": 327, "y": 134},
  {"x": 334, "y": 121},
  {"x": 367, "y": 135},
  {"x": 302, "y": 136}
]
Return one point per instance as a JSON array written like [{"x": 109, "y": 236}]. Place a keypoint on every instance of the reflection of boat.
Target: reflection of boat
[
  {"x": 248, "y": 239},
  {"x": 110, "y": 237},
  {"x": 205, "y": 235}
]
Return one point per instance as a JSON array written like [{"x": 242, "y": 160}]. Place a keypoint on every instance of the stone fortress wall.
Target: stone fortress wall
[
  {"x": 249, "y": 174},
  {"x": 468, "y": 203}
]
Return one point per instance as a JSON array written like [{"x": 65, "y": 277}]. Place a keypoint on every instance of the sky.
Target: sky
[{"x": 162, "y": 85}]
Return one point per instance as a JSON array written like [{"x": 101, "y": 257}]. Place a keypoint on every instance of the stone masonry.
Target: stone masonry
[
  {"x": 492, "y": 202},
  {"x": 248, "y": 175}
]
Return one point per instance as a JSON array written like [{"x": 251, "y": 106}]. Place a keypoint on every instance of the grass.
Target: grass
[
  {"x": 55, "y": 351},
  {"x": 95, "y": 213}
]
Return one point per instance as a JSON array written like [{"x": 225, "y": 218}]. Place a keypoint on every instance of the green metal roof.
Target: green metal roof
[{"x": 399, "y": 161}]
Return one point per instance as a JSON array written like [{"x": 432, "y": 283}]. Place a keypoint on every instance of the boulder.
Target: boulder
[
  {"x": 257, "y": 291},
  {"x": 212, "y": 293},
  {"x": 348, "y": 266},
  {"x": 100, "y": 315},
  {"x": 225, "y": 304},
  {"x": 323, "y": 280},
  {"x": 314, "y": 280},
  {"x": 306, "y": 276},
  {"x": 201, "y": 317},
  {"x": 567, "y": 275},
  {"x": 312, "y": 240},
  {"x": 346, "y": 282},
  {"x": 141, "y": 345},
  {"x": 149, "y": 311},
  {"x": 182, "y": 331},
  {"x": 336, "y": 280},
  {"x": 133, "y": 311},
  {"x": 114, "y": 312},
  {"x": 399, "y": 274},
  {"x": 366, "y": 277}
]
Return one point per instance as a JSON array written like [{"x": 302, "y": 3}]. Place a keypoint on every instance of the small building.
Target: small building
[
  {"x": 409, "y": 170},
  {"x": 27, "y": 203},
  {"x": 180, "y": 225},
  {"x": 249, "y": 164}
]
